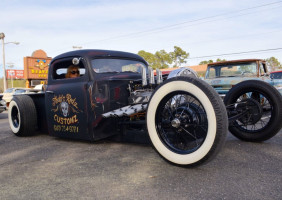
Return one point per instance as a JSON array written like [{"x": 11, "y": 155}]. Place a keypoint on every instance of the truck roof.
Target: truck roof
[
  {"x": 99, "y": 53},
  {"x": 236, "y": 61}
]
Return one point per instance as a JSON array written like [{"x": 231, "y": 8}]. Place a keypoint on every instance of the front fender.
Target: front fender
[{"x": 39, "y": 101}]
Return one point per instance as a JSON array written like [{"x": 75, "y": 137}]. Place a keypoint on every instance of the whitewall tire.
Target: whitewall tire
[
  {"x": 186, "y": 121},
  {"x": 22, "y": 115}
]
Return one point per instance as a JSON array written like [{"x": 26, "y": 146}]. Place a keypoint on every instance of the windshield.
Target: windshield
[
  {"x": 10, "y": 90},
  {"x": 20, "y": 91},
  {"x": 116, "y": 65},
  {"x": 232, "y": 70},
  {"x": 277, "y": 75}
]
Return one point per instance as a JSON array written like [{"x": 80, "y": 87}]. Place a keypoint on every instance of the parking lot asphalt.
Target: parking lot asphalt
[{"x": 44, "y": 167}]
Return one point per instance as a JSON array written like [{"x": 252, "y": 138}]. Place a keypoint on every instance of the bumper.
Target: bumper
[
  {"x": 2, "y": 108},
  {"x": 221, "y": 93}
]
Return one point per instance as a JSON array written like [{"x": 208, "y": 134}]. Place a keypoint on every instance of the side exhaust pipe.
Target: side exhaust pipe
[
  {"x": 159, "y": 76},
  {"x": 144, "y": 76},
  {"x": 151, "y": 76}
]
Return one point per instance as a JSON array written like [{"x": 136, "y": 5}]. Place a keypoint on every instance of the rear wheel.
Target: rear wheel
[
  {"x": 255, "y": 110},
  {"x": 22, "y": 116},
  {"x": 186, "y": 121}
]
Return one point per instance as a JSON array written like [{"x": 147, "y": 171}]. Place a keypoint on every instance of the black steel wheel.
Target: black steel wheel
[
  {"x": 186, "y": 121},
  {"x": 22, "y": 116},
  {"x": 181, "y": 126},
  {"x": 255, "y": 110}
]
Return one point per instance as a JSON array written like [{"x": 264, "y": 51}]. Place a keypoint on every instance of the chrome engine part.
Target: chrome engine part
[
  {"x": 152, "y": 79},
  {"x": 126, "y": 111},
  {"x": 151, "y": 75},
  {"x": 159, "y": 76},
  {"x": 144, "y": 76},
  {"x": 183, "y": 71},
  {"x": 140, "y": 96}
]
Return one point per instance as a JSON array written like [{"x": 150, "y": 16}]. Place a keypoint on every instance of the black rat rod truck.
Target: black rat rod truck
[{"x": 185, "y": 118}]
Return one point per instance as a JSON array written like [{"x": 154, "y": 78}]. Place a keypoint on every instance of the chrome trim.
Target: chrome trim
[
  {"x": 151, "y": 76},
  {"x": 144, "y": 76},
  {"x": 159, "y": 76}
]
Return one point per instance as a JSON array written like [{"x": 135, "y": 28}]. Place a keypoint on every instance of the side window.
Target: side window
[
  {"x": 211, "y": 73},
  {"x": 65, "y": 70},
  {"x": 277, "y": 75},
  {"x": 261, "y": 69}
]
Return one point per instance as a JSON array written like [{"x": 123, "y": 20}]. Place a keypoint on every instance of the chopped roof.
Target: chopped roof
[{"x": 99, "y": 53}]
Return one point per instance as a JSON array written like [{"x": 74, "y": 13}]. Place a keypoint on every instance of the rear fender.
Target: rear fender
[{"x": 39, "y": 101}]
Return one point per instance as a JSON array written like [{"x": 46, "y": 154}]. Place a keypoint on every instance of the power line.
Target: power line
[
  {"x": 234, "y": 37},
  {"x": 172, "y": 26},
  {"x": 237, "y": 53},
  {"x": 188, "y": 25},
  {"x": 185, "y": 23}
]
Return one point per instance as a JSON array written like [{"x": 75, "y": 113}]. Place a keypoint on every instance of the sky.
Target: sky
[{"x": 218, "y": 29}]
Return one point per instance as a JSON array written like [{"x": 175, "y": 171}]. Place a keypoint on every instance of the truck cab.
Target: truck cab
[
  {"x": 222, "y": 76},
  {"x": 73, "y": 107}
]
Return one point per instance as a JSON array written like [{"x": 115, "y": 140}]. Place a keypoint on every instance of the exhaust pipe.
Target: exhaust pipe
[
  {"x": 144, "y": 76},
  {"x": 159, "y": 76},
  {"x": 151, "y": 76}
]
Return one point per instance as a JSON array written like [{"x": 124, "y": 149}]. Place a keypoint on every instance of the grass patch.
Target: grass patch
[{"x": 16, "y": 83}]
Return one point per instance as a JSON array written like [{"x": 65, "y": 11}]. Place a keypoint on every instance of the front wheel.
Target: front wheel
[{"x": 186, "y": 121}]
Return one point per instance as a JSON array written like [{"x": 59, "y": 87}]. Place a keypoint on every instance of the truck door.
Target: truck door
[
  {"x": 66, "y": 99},
  {"x": 277, "y": 80}
]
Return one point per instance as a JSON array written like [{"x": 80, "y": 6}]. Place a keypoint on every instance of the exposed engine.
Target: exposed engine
[
  {"x": 140, "y": 96},
  {"x": 140, "y": 93}
]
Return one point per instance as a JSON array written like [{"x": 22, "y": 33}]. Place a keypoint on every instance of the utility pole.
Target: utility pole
[{"x": 2, "y": 36}]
